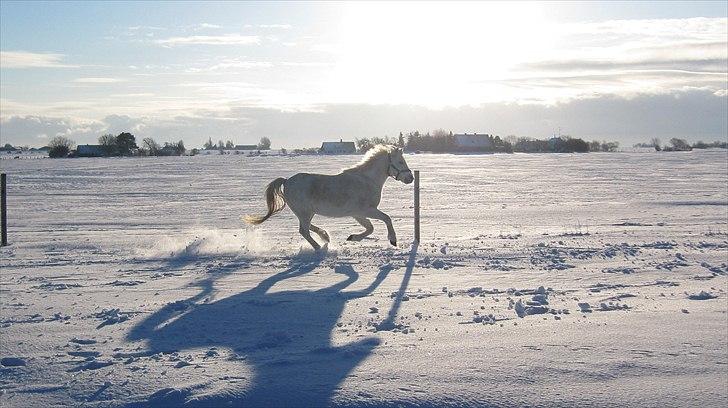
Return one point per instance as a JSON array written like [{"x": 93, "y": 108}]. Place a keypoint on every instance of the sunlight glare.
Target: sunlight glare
[{"x": 433, "y": 53}]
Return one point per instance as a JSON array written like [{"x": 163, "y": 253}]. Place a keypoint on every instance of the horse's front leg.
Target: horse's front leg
[{"x": 378, "y": 215}]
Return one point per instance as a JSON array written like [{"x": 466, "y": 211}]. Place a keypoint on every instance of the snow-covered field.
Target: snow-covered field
[{"x": 541, "y": 280}]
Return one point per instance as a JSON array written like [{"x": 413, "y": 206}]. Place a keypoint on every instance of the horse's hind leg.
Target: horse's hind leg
[
  {"x": 304, "y": 224},
  {"x": 320, "y": 231},
  {"x": 364, "y": 223}
]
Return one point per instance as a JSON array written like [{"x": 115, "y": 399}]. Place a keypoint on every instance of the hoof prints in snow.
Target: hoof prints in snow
[
  {"x": 112, "y": 316},
  {"x": 92, "y": 365},
  {"x": 82, "y": 341},
  {"x": 623, "y": 270},
  {"x": 703, "y": 295},
  {"x": 125, "y": 283},
  {"x": 56, "y": 286},
  {"x": 12, "y": 362},
  {"x": 721, "y": 269},
  {"x": 537, "y": 305}
]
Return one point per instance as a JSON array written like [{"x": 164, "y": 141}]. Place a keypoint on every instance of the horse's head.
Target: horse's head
[{"x": 398, "y": 168}]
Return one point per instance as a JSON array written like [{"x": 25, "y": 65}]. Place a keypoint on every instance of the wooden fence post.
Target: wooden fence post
[
  {"x": 417, "y": 206},
  {"x": 4, "y": 210}
]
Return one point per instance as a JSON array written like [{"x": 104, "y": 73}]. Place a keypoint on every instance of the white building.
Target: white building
[
  {"x": 340, "y": 147},
  {"x": 88, "y": 150},
  {"x": 473, "y": 141}
]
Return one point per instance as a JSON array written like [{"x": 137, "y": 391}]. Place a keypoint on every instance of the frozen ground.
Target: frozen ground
[{"x": 542, "y": 280}]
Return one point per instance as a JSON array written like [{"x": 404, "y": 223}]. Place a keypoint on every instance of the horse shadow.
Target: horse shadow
[{"x": 285, "y": 337}]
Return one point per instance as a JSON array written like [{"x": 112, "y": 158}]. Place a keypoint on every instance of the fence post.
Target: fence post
[
  {"x": 417, "y": 206},
  {"x": 3, "y": 210}
]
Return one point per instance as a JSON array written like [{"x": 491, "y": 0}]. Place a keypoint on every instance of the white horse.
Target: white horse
[{"x": 355, "y": 192}]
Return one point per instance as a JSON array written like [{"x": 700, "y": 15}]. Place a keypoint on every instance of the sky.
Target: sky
[{"x": 300, "y": 73}]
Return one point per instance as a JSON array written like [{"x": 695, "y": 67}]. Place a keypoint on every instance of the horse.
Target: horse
[{"x": 355, "y": 192}]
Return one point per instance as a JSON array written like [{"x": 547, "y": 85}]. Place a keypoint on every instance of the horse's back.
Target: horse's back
[{"x": 338, "y": 195}]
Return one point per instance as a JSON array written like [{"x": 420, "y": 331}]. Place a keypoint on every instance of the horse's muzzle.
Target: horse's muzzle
[{"x": 408, "y": 178}]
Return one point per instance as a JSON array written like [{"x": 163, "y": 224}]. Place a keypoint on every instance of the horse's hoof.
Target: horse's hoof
[
  {"x": 351, "y": 237},
  {"x": 393, "y": 242}
]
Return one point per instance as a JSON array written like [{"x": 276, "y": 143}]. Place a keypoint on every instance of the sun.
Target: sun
[{"x": 433, "y": 54}]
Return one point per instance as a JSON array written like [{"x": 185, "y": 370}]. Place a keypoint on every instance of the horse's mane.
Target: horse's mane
[{"x": 372, "y": 155}]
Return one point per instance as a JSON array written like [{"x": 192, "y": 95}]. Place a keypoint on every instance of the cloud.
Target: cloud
[
  {"x": 715, "y": 65},
  {"x": 308, "y": 64},
  {"x": 153, "y": 28},
  {"x": 227, "y": 39},
  {"x": 24, "y": 59},
  {"x": 116, "y": 124},
  {"x": 97, "y": 80},
  {"x": 278, "y": 26},
  {"x": 231, "y": 64},
  {"x": 693, "y": 114},
  {"x": 624, "y": 82},
  {"x": 23, "y": 130},
  {"x": 132, "y": 95},
  {"x": 208, "y": 25}
]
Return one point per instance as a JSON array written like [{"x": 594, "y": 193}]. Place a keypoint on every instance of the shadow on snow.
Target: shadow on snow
[{"x": 285, "y": 337}]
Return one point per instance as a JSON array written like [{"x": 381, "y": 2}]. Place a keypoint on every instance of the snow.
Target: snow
[{"x": 541, "y": 280}]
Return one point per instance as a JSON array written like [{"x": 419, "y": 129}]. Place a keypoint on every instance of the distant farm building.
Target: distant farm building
[
  {"x": 88, "y": 150},
  {"x": 340, "y": 147},
  {"x": 245, "y": 147},
  {"x": 473, "y": 141}
]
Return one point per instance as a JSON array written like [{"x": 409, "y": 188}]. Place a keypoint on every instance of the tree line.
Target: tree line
[
  {"x": 681, "y": 145},
  {"x": 124, "y": 144},
  {"x": 439, "y": 141},
  {"x": 442, "y": 141},
  {"x": 263, "y": 144}
]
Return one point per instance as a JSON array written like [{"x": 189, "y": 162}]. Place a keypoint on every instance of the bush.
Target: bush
[
  {"x": 125, "y": 143},
  {"x": 678, "y": 145},
  {"x": 60, "y": 146},
  {"x": 264, "y": 143}
]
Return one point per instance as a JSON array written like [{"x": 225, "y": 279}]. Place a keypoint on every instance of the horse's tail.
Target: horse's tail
[{"x": 274, "y": 199}]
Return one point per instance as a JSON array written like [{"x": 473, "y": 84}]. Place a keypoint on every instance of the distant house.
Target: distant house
[
  {"x": 340, "y": 147},
  {"x": 245, "y": 147},
  {"x": 473, "y": 142},
  {"x": 90, "y": 151}
]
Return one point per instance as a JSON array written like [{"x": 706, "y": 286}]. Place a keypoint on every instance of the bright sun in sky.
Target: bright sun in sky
[{"x": 434, "y": 54}]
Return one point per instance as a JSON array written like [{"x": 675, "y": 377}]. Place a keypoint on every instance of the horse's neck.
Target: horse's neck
[{"x": 376, "y": 171}]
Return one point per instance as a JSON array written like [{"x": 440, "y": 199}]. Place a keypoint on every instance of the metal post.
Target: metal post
[
  {"x": 417, "y": 206},
  {"x": 3, "y": 210}
]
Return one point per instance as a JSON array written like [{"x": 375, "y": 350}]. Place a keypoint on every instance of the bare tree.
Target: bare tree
[
  {"x": 441, "y": 133},
  {"x": 680, "y": 144},
  {"x": 656, "y": 143},
  {"x": 209, "y": 145},
  {"x": 150, "y": 146},
  {"x": 60, "y": 146},
  {"x": 108, "y": 144},
  {"x": 363, "y": 145},
  {"x": 264, "y": 143}
]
